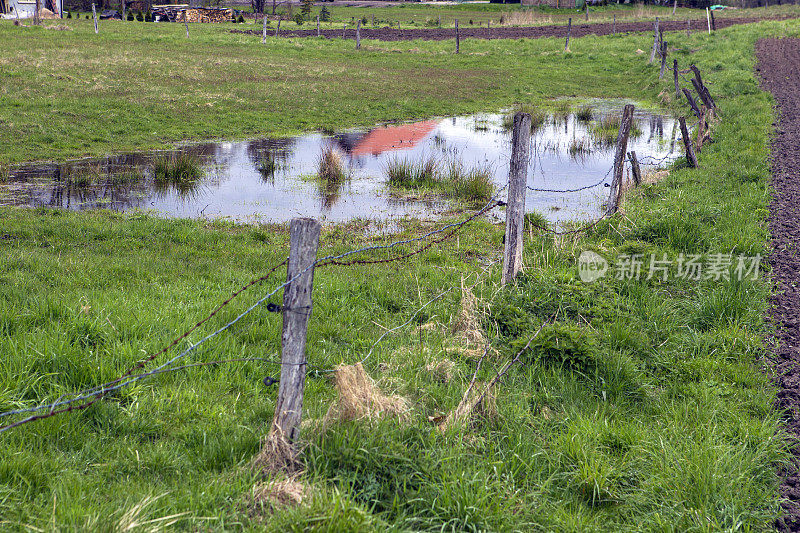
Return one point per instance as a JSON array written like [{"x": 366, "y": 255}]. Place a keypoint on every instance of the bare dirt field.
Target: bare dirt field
[
  {"x": 512, "y": 32},
  {"x": 779, "y": 67}
]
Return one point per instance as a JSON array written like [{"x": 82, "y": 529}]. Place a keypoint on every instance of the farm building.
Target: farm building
[{"x": 27, "y": 8}]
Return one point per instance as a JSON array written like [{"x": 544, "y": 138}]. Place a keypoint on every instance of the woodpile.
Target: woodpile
[{"x": 175, "y": 13}]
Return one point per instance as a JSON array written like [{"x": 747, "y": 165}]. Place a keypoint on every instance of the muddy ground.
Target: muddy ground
[
  {"x": 508, "y": 32},
  {"x": 779, "y": 68}
]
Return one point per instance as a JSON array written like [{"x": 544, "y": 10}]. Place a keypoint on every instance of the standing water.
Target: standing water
[{"x": 274, "y": 180}]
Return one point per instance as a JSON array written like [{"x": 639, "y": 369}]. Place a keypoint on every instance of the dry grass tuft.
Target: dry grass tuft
[
  {"x": 443, "y": 370},
  {"x": 467, "y": 324},
  {"x": 282, "y": 492},
  {"x": 359, "y": 398},
  {"x": 277, "y": 453},
  {"x": 478, "y": 404}
]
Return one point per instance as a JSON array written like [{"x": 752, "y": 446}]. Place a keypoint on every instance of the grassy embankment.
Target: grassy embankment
[{"x": 645, "y": 407}]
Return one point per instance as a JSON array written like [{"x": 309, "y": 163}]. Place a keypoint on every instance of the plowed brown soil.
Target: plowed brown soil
[
  {"x": 779, "y": 68},
  {"x": 527, "y": 32}
]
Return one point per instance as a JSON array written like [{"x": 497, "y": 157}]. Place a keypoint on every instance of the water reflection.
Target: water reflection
[{"x": 275, "y": 179}]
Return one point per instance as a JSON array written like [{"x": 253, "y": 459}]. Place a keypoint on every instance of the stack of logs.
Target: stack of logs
[{"x": 175, "y": 13}]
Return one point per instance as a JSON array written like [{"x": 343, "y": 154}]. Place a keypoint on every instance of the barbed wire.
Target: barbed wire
[
  {"x": 98, "y": 392},
  {"x": 579, "y": 189}
]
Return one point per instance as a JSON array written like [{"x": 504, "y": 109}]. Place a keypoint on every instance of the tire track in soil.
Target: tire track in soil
[
  {"x": 525, "y": 32},
  {"x": 779, "y": 69}
]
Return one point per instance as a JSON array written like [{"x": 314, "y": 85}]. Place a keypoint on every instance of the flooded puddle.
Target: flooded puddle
[{"x": 568, "y": 152}]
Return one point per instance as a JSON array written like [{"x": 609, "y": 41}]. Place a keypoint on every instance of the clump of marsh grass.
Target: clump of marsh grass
[
  {"x": 330, "y": 167},
  {"x": 562, "y": 109},
  {"x": 180, "y": 170},
  {"x": 267, "y": 165},
  {"x": 471, "y": 184},
  {"x": 585, "y": 113},
  {"x": 606, "y": 130},
  {"x": 407, "y": 174},
  {"x": 538, "y": 116},
  {"x": 579, "y": 147},
  {"x": 5, "y": 172}
]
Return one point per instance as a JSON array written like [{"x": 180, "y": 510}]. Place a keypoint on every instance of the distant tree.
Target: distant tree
[
  {"x": 306, "y": 7},
  {"x": 258, "y": 6}
]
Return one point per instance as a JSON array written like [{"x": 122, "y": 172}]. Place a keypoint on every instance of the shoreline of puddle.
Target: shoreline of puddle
[{"x": 566, "y": 154}]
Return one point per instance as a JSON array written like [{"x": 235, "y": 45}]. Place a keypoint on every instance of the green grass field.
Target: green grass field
[{"x": 644, "y": 406}]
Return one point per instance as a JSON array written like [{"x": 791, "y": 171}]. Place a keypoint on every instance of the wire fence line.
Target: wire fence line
[{"x": 92, "y": 395}]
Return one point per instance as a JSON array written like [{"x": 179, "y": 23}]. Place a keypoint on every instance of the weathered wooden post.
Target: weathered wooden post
[
  {"x": 186, "y": 21},
  {"x": 297, "y": 305},
  {"x": 586, "y": 10},
  {"x": 635, "y": 169},
  {"x": 674, "y": 7},
  {"x": 458, "y": 39},
  {"x": 264, "y": 31},
  {"x": 688, "y": 27},
  {"x": 619, "y": 160},
  {"x": 702, "y": 89},
  {"x": 692, "y": 103},
  {"x": 655, "y": 41},
  {"x": 278, "y": 28},
  {"x": 675, "y": 76},
  {"x": 122, "y": 8},
  {"x": 614, "y": 25},
  {"x": 708, "y": 20},
  {"x": 663, "y": 60},
  {"x": 569, "y": 31},
  {"x": 94, "y": 16},
  {"x": 358, "y": 34},
  {"x": 687, "y": 143},
  {"x": 318, "y": 32},
  {"x": 713, "y": 22},
  {"x": 517, "y": 185},
  {"x": 36, "y": 15}
]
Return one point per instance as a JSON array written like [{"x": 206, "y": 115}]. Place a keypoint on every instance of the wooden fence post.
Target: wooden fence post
[
  {"x": 619, "y": 160},
  {"x": 663, "y": 59},
  {"x": 692, "y": 103},
  {"x": 318, "y": 32},
  {"x": 264, "y": 31},
  {"x": 705, "y": 96},
  {"x": 36, "y": 15},
  {"x": 358, "y": 34},
  {"x": 186, "y": 21},
  {"x": 297, "y": 304},
  {"x": 675, "y": 75},
  {"x": 569, "y": 31},
  {"x": 655, "y": 41},
  {"x": 94, "y": 16},
  {"x": 687, "y": 143},
  {"x": 458, "y": 39},
  {"x": 586, "y": 6},
  {"x": 517, "y": 186},
  {"x": 278, "y": 28},
  {"x": 635, "y": 169},
  {"x": 614, "y": 25},
  {"x": 708, "y": 20},
  {"x": 713, "y": 22},
  {"x": 688, "y": 27},
  {"x": 674, "y": 7}
]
